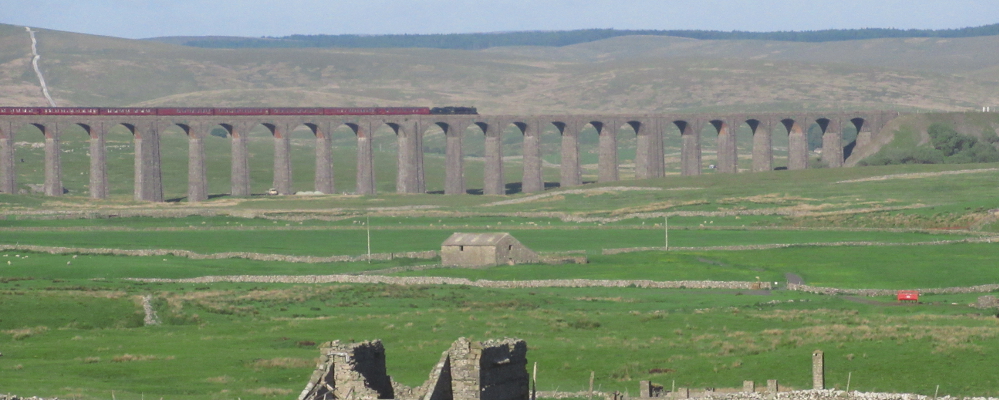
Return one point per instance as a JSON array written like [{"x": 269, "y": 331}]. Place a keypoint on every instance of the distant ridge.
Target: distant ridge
[{"x": 476, "y": 41}]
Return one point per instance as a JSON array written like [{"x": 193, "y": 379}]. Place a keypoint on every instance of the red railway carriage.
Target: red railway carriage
[
  {"x": 242, "y": 111},
  {"x": 351, "y": 111},
  {"x": 235, "y": 111},
  {"x": 128, "y": 111},
  {"x": 70, "y": 111},
  {"x": 20, "y": 110},
  {"x": 296, "y": 111},
  {"x": 404, "y": 111},
  {"x": 185, "y": 111}
]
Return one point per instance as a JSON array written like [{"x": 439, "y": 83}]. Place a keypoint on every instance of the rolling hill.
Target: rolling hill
[{"x": 620, "y": 74}]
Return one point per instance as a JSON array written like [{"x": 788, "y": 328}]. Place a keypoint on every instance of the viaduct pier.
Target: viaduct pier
[{"x": 650, "y": 129}]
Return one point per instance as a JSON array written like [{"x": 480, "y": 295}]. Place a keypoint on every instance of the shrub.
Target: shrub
[{"x": 946, "y": 146}]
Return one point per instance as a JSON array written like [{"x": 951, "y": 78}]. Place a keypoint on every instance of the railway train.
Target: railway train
[{"x": 197, "y": 111}]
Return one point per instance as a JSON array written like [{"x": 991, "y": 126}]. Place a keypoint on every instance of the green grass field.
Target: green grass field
[
  {"x": 243, "y": 341},
  {"x": 71, "y": 325}
]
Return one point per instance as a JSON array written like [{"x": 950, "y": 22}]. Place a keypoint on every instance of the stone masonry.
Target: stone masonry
[
  {"x": 489, "y": 370},
  {"x": 818, "y": 370},
  {"x": 649, "y": 131},
  {"x": 350, "y": 371}
]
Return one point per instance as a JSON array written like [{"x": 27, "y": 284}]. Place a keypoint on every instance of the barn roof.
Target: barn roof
[{"x": 475, "y": 239}]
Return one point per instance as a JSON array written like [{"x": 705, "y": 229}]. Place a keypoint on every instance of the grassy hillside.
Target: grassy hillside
[
  {"x": 906, "y": 133},
  {"x": 623, "y": 74},
  {"x": 473, "y": 41}
]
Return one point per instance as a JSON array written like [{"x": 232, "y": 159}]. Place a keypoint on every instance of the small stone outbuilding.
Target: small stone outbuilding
[{"x": 485, "y": 250}]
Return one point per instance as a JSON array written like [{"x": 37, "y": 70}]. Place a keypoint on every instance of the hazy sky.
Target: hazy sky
[{"x": 150, "y": 18}]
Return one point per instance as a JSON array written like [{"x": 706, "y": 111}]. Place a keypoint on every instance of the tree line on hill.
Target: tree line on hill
[
  {"x": 946, "y": 146},
  {"x": 476, "y": 41}
]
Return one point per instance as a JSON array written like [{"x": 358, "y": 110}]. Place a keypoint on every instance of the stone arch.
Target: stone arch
[
  {"x": 607, "y": 150},
  {"x": 409, "y": 156},
  {"x": 239, "y": 163},
  {"x": 434, "y": 145},
  {"x": 690, "y": 151},
  {"x": 493, "y": 179},
  {"x": 8, "y": 178},
  {"x": 569, "y": 129},
  {"x": 97, "y": 160},
  {"x": 454, "y": 155},
  {"x": 306, "y": 133},
  {"x": 763, "y": 148},
  {"x": 147, "y": 184},
  {"x": 610, "y": 147},
  {"x": 280, "y": 154},
  {"x": 514, "y": 137},
  {"x": 172, "y": 138},
  {"x": 49, "y": 163},
  {"x": 365, "y": 171},
  {"x": 860, "y": 138},
  {"x": 588, "y": 149},
  {"x": 797, "y": 143},
  {"x": 727, "y": 147},
  {"x": 832, "y": 141}
]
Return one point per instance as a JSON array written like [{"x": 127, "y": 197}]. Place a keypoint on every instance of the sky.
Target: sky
[{"x": 255, "y": 18}]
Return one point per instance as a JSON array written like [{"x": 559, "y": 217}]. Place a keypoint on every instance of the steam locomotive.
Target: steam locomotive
[{"x": 132, "y": 111}]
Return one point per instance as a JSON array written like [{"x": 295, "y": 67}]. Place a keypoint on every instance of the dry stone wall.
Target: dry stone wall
[
  {"x": 405, "y": 280},
  {"x": 831, "y": 395},
  {"x": 423, "y": 255},
  {"x": 890, "y": 292},
  {"x": 8, "y": 396},
  {"x": 786, "y": 245},
  {"x": 827, "y": 394}
]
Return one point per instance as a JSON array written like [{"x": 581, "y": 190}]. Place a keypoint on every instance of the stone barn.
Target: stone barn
[{"x": 485, "y": 250}]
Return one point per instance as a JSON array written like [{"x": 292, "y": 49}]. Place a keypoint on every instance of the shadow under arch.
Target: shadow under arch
[
  {"x": 854, "y": 138},
  {"x": 690, "y": 148},
  {"x": 797, "y": 143}
]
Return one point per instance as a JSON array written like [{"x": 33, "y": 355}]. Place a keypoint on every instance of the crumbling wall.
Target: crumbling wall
[
  {"x": 490, "y": 370},
  {"x": 350, "y": 371},
  {"x": 503, "y": 370}
]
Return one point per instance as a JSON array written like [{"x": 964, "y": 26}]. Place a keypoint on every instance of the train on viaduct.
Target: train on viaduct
[{"x": 409, "y": 125}]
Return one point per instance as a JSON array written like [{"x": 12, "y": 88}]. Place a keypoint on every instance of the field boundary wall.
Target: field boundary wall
[{"x": 483, "y": 283}]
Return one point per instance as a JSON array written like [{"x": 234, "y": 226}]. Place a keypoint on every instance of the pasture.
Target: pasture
[{"x": 71, "y": 325}]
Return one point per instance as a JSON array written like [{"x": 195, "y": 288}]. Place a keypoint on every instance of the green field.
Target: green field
[{"x": 78, "y": 315}]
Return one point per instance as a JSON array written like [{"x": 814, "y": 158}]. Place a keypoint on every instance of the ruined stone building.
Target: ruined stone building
[
  {"x": 485, "y": 250},
  {"x": 489, "y": 370}
]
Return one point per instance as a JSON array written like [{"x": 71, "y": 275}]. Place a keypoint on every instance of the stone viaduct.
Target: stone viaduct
[{"x": 649, "y": 160}]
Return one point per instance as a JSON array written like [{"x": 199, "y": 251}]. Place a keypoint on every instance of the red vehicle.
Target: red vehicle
[
  {"x": 70, "y": 111},
  {"x": 128, "y": 111},
  {"x": 296, "y": 111},
  {"x": 404, "y": 110},
  {"x": 242, "y": 111},
  {"x": 20, "y": 110},
  {"x": 185, "y": 111},
  {"x": 908, "y": 295},
  {"x": 201, "y": 111}
]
